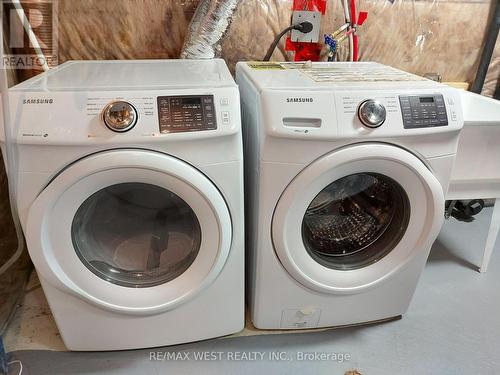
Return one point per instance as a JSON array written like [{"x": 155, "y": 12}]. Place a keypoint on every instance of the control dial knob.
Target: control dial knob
[
  {"x": 120, "y": 116},
  {"x": 371, "y": 113}
]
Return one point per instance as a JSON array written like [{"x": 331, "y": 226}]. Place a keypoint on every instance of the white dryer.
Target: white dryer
[
  {"x": 347, "y": 165},
  {"x": 130, "y": 194}
]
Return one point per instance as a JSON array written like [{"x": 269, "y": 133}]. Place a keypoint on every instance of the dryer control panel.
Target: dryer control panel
[
  {"x": 186, "y": 113},
  {"x": 423, "y": 111}
]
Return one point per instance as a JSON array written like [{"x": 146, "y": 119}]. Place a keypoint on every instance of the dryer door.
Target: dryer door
[
  {"x": 355, "y": 216},
  {"x": 130, "y": 230}
]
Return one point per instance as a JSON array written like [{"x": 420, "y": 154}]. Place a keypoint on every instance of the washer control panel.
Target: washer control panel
[
  {"x": 186, "y": 113},
  {"x": 423, "y": 111}
]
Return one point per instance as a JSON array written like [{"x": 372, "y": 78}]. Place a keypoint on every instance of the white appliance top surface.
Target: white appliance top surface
[
  {"x": 333, "y": 75},
  {"x": 130, "y": 75},
  {"x": 480, "y": 110}
]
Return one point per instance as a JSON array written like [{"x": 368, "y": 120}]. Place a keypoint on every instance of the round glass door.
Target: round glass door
[
  {"x": 355, "y": 221},
  {"x": 133, "y": 219},
  {"x": 136, "y": 235},
  {"x": 356, "y": 216}
]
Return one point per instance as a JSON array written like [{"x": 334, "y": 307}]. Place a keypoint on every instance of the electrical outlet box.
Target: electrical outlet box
[{"x": 314, "y": 17}]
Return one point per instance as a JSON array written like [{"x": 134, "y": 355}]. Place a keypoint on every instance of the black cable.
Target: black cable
[
  {"x": 489, "y": 46},
  {"x": 276, "y": 41},
  {"x": 304, "y": 27}
]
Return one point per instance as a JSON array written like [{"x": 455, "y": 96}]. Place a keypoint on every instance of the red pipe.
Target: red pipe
[{"x": 354, "y": 37}]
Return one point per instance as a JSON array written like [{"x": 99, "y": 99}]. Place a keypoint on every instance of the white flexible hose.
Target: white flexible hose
[
  {"x": 347, "y": 17},
  {"x": 8, "y": 153},
  {"x": 10, "y": 168},
  {"x": 20, "y": 365},
  {"x": 31, "y": 35}
]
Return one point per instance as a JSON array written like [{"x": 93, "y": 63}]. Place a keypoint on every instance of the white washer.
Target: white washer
[
  {"x": 130, "y": 194},
  {"x": 347, "y": 165}
]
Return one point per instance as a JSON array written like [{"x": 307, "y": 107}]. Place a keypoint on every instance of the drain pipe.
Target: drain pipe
[
  {"x": 489, "y": 46},
  {"x": 207, "y": 28}
]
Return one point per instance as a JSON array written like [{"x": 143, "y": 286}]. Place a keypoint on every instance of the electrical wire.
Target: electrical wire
[
  {"x": 354, "y": 22},
  {"x": 20, "y": 365},
  {"x": 347, "y": 17},
  {"x": 276, "y": 41},
  {"x": 304, "y": 27}
]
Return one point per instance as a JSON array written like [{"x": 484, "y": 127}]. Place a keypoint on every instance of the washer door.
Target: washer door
[
  {"x": 130, "y": 230},
  {"x": 355, "y": 216}
]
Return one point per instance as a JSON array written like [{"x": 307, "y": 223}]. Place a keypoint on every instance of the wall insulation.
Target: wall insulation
[{"x": 420, "y": 36}]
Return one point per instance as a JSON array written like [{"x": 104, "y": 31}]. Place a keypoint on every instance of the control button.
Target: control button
[
  {"x": 225, "y": 117},
  {"x": 371, "y": 113},
  {"x": 224, "y": 101},
  {"x": 120, "y": 116}
]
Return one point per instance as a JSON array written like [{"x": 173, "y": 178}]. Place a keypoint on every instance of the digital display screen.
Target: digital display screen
[
  {"x": 194, "y": 102},
  {"x": 427, "y": 99}
]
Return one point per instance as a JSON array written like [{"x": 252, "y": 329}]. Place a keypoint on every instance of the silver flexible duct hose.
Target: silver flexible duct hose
[{"x": 208, "y": 26}]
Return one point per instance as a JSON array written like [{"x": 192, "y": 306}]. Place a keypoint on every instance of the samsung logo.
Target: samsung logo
[
  {"x": 38, "y": 101},
  {"x": 299, "y": 100}
]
